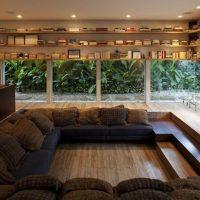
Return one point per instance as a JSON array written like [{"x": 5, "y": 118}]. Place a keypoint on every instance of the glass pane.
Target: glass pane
[
  {"x": 122, "y": 80},
  {"x": 74, "y": 81},
  {"x": 174, "y": 80},
  {"x": 29, "y": 78}
]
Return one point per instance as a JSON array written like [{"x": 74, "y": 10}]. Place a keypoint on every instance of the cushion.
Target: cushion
[
  {"x": 34, "y": 195},
  {"x": 51, "y": 140},
  {"x": 89, "y": 116},
  {"x": 132, "y": 131},
  {"x": 119, "y": 106},
  {"x": 142, "y": 183},
  {"x": 36, "y": 163},
  {"x": 42, "y": 182},
  {"x": 6, "y": 191},
  {"x": 16, "y": 116},
  {"x": 87, "y": 184},
  {"x": 45, "y": 111},
  {"x": 185, "y": 194},
  {"x": 145, "y": 195},
  {"x": 28, "y": 134},
  {"x": 185, "y": 184},
  {"x": 5, "y": 176},
  {"x": 113, "y": 116},
  {"x": 64, "y": 117},
  {"x": 87, "y": 195},
  {"x": 11, "y": 151},
  {"x": 6, "y": 127},
  {"x": 138, "y": 116},
  {"x": 41, "y": 121},
  {"x": 84, "y": 132}
]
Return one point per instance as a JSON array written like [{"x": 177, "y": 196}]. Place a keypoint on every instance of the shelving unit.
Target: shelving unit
[
  {"x": 102, "y": 32},
  {"x": 86, "y": 46},
  {"x": 57, "y": 47}
]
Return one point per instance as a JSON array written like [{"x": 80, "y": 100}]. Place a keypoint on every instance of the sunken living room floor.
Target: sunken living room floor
[{"x": 112, "y": 162}]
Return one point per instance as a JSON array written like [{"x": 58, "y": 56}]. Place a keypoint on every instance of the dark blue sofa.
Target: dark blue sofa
[
  {"x": 129, "y": 132},
  {"x": 38, "y": 162}
]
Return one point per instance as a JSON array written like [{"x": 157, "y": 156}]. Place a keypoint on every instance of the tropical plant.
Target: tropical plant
[
  {"x": 121, "y": 77},
  {"x": 74, "y": 76},
  {"x": 26, "y": 75},
  {"x": 178, "y": 75}
]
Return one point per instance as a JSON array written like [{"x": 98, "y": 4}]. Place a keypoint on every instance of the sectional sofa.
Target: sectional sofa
[
  {"x": 50, "y": 188},
  {"x": 28, "y": 139},
  {"x": 65, "y": 125}
]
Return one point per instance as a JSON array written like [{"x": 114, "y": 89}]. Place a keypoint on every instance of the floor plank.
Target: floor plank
[{"x": 112, "y": 162}]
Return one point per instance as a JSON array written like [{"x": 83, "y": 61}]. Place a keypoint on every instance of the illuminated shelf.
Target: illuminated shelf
[
  {"x": 85, "y": 46},
  {"x": 101, "y": 32},
  {"x": 112, "y": 59}
]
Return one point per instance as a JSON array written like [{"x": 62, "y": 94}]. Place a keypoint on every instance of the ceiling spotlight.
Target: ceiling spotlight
[
  {"x": 73, "y": 16},
  {"x": 180, "y": 16},
  {"x": 128, "y": 16},
  {"x": 198, "y": 7},
  {"x": 19, "y": 16}
]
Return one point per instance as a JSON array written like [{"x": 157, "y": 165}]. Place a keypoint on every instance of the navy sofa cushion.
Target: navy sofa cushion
[
  {"x": 131, "y": 131},
  {"x": 51, "y": 140},
  {"x": 36, "y": 163},
  {"x": 85, "y": 132}
]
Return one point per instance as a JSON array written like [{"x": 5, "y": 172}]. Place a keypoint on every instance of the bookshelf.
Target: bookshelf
[{"x": 146, "y": 50}]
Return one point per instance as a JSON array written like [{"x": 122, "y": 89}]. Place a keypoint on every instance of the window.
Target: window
[
  {"x": 122, "y": 80},
  {"x": 74, "y": 80},
  {"x": 29, "y": 78},
  {"x": 173, "y": 80}
]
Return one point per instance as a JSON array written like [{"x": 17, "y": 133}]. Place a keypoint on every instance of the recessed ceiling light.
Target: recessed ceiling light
[
  {"x": 180, "y": 16},
  {"x": 128, "y": 16},
  {"x": 19, "y": 16},
  {"x": 73, "y": 16},
  {"x": 198, "y": 7}
]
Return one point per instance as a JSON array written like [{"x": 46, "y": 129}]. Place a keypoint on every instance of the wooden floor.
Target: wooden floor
[
  {"x": 112, "y": 162},
  {"x": 115, "y": 162},
  {"x": 188, "y": 115}
]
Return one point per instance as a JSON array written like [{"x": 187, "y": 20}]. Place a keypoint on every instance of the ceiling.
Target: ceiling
[{"x": 99, "y": 9}]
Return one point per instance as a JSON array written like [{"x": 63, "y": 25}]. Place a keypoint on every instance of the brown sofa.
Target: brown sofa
[{"x": 49, "y": 188}]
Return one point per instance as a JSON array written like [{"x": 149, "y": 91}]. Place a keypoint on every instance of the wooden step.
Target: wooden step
[{"x": 175, "y": 162}]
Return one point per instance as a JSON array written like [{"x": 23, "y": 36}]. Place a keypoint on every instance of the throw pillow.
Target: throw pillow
[
  {"x": 41, "y": 121},
  {"x": 5, "y": 176},
  {"x": 142, "y": 183},
  {"x": 34, "y": 195},
  {"x": 11, "y": 151},
  {"x": 185, "y": 194},
  {"x": 6, "y": 127},
  {"x": 28, "y": 134},
  {"x": 87, "y": 195},
  {"x": 113, "y": 116},
  {"x": 193, "y": 184},
  {"x": 65, "y": 117},
  {"x": 87, "y": 184},
  {"x": 145, "y": 195},
  {"x": 45, "y": 111},
  {"x": 6, "y": 191},
  {"x": 137, "y": 116},
  {"x": 89, "y": 116},
  {"x": 16, "y": 116},
  {"x": 119, "y": 106},
  {"x": 43, "y": 182}
]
